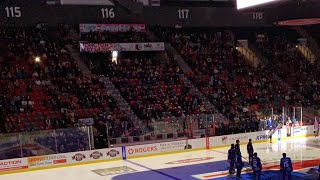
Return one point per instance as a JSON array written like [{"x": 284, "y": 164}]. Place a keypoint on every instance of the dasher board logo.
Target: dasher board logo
[
  {"x": 113, "y": 153},
  {"x": 224, "y": 139},
  {"x": 8, "y": 163},
  {"x": 96, "y": 155},
  {"x": 262, "y": 137},
  {"x": 78, "y": 157},
  {"x": 46, "y": 160},
  {"x": 15, "y": 164},
  {"x": 114, "y": 171}
]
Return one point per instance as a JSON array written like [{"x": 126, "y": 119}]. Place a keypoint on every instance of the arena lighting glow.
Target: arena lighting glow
[
  {"x": 37, "y": 59},
  {"x": 114, "y": 57},
  {"x": 249, "y": 3}
]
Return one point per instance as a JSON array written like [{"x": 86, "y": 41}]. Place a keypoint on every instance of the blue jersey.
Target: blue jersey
[
  {"x": 285, "y": 164},
  {"x": 250, "y": 148},
  {"x": 256, "y": 164},
  {"x": 231, "y": 154},
  {"x": 238, "y": 160}
]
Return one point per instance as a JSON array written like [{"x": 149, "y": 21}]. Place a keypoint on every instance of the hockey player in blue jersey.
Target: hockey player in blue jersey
[
  {"x": 256, "y": 166},
  {"x": 231, "y": 158},
  {"x": 285, "y": 166},
  {"x": 239, "y": 164},
  {"x": 250, "y": 150}
]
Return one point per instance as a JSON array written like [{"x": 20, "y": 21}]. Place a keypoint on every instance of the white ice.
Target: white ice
[{"x": 269, "y": 153}]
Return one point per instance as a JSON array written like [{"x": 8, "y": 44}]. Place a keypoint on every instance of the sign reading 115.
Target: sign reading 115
[{"x": 13, "y": 12}]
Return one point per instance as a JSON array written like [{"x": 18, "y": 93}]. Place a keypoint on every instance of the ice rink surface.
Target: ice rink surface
[{"x": 204, "y": 164}]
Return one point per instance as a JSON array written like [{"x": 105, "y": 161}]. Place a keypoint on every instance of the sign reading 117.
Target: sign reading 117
[{"x": 183, "y": 13}]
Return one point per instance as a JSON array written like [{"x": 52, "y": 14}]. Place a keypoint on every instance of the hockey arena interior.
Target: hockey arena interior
[{"x": 160, "y": 89}]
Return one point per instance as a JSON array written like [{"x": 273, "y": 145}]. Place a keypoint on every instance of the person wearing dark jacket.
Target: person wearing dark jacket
[
  {"x": 231, "y": 158},
  {"x": 237, "y": 147},
  {"x": 250, "y": 150}
]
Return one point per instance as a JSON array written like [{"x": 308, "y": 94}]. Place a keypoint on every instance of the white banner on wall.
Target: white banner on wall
[
  {"x": 113, "y": 28},
  {"x": 154, "y": 46},
  {"x": 107, "y": 47}
]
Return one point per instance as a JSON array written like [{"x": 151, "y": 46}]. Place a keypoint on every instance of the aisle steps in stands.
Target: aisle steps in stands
[
  {"x": 242, "y": 47},
  {"x": 312, "y": 43},
  {"x": 307, "y": 53},
  {"x": 186, "y": 69},
  {"x": 123, "y": 105},
  {"x": 266, "y": 62},
  {"x": 76, "y": 56}
]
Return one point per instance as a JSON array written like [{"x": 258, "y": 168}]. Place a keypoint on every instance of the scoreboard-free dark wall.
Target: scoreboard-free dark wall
[{"x": 31, "y": 12}]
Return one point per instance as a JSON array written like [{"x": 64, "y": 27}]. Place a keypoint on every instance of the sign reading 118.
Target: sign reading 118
[{"x": 13, "y": 12}]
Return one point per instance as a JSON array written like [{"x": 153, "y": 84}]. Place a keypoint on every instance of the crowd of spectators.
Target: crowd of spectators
[
  {"x": 152, "y": 86},
  {"x": 224, "y": 76},
  {"x": 280, "y": 47},
  {"x": 236, "y": 127},
  {"x": 43, "y": 87},
  {"x": 149, "y": 81}
]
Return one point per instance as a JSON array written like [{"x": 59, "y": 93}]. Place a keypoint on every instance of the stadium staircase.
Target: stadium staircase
[
  {"x": 307, "y": 53},
  {"x": 186, "y": 69},
  {"x": 267, "y": 63},
  {"x": 247, "y": 53},
  {"x": 76, "y": 55},
  {"x": 311, "y": 42},
  {"x": 115, "y": 94},
  {"x": 308, "y": 113},
  {"x": 123, "y": 105}
]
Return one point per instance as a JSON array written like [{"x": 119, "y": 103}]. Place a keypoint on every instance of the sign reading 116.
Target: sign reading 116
[{"x": 107, "y": 13}]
